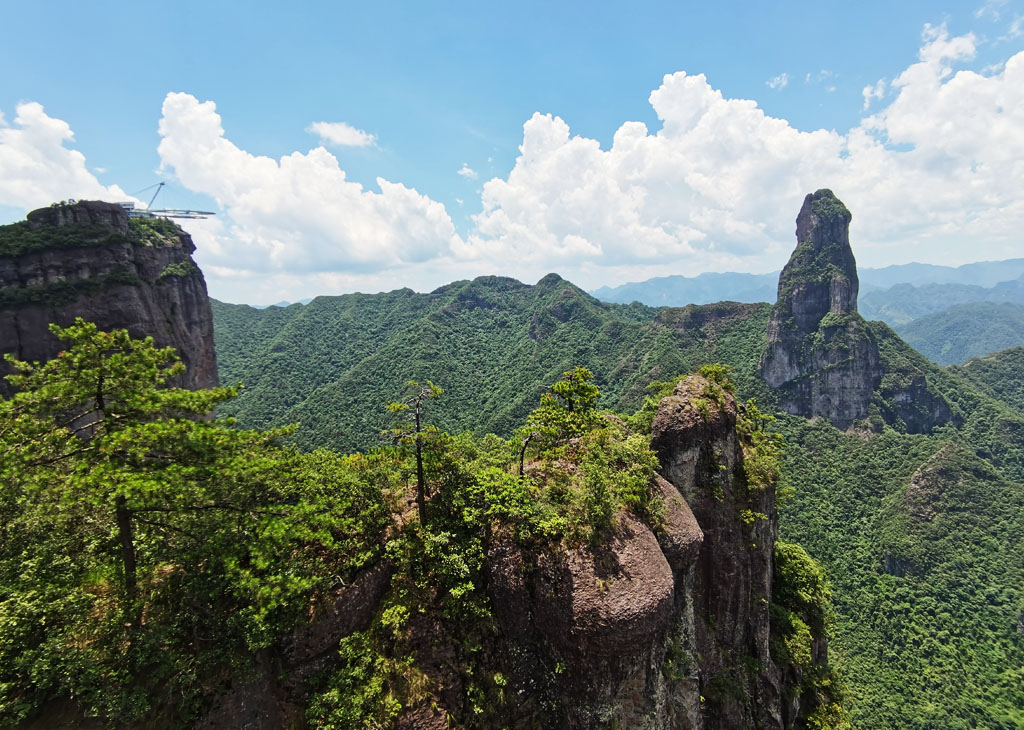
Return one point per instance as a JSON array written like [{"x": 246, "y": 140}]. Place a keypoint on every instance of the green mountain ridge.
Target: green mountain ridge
[
  {"x": 494, "y": 342},
  {"x": 998, "y": 375},
  {"x": 964, "y": 331},
  {"x": 927, "y": 612}
]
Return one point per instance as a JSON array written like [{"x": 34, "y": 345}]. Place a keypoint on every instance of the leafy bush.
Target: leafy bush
[{"x": 147, "y": 549}]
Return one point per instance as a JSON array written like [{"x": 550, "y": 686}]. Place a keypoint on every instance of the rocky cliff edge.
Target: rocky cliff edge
[
  {"x": 89, "y": 260},
  {"x": 664, "y": 626}
]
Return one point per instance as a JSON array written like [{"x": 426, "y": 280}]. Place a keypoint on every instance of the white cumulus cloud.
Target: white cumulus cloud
[
  {"x": 873, "y": 92},
  {"x": 778, "y": 82},
  {"x": 342, "y": 135},
  {"x": 467, "y": 172},
  {"x": 299, "y": 213},
  {"x": 939, "y": 170},
  {"x": 36, "y": 166},
  {"x": 933, "y": 171}
]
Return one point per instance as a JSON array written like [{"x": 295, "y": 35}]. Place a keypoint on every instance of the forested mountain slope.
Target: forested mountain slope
[
  {"x": 1000, "y": 375},
  {"x": 915, "y": 511},
  {"x": 958, "y": 333},
  {"x": 922, "y": 537},
  {"x": 494, "y": 344},
  {"x": 928, "y": 606}
]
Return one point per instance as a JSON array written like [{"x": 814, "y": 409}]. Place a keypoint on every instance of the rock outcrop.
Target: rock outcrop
[
  {"x": 820, "y": 354},
  {"x": 663, "y": 628},
  {"x": 725, "y": 629},
  {"x": 655, "y": 629},
  {"x": 89, "y": 260}
]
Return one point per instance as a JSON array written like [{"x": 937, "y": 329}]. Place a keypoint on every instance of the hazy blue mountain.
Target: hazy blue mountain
[
  {"x": 903, "y": 303},
  {"x": 981, "y": 273},
  {"x": 678, "y": 291},
  {"x": 965, "y": 331}
]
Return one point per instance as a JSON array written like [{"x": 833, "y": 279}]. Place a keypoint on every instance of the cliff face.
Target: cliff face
[
  {"x": 819, "y": 352},
  {"x": 657, "y": 629},
  {"x": 701, "y": 455},
  {"x": 89, "y": 260},
  {"x": 665, "y": 628}
]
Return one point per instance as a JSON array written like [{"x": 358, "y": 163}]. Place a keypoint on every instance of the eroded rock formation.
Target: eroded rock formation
[
  {"x": 819, "y": 353},
  {"x": 701, "y": 455},
  {"x": 664, "y": 628},
  {"x": 88, "y": 260}
]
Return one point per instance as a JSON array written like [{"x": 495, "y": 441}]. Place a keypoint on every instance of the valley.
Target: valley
[{"x": 657, "y": 557}]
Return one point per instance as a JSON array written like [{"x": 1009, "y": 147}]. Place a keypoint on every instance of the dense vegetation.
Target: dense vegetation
[
  {"x": 583, "y": 472},
  {"x": 492, "y": 343},
  {"x": 920, "y": 535},
  {"x": 924, "y": 546},
  {"x": 958, "y": 333},
  {"x": 926, "y": 626},
  {"x": 998, "y": 375},
  {"x": 148, "y": 551},
  {"x": 17, "y": 239}
]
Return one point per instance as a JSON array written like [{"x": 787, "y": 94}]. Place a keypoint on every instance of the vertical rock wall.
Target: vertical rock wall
[
  {"x": 663, "y": 628},
  {"x": 819, "y": 353},
  {"x": 727, "y": 634},
  {"x": 108, "y": 271}
]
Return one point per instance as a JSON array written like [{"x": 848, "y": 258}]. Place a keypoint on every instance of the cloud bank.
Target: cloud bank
[
  {"x": 941, "y": 168},
  {"x": 37, "y": 169},
  {"x": 937, "y": 169},
  {"x": 299, "y": 214}
]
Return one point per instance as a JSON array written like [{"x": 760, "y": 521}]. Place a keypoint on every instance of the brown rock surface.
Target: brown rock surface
[
  {"x": 819, "y": 352},
  {"x": 695, "y": 437},
  {"x": 592, "y": 621},
  {"x": 112, "y": 277}
]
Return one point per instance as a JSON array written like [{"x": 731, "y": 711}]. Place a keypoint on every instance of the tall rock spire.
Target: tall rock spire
[
  {"x": 821, "y": 275},
  {"x": 819, "y": 352}
]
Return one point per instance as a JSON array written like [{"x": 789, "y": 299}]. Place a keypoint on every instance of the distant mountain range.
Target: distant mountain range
[
  {"x": 950, "y": 314},
  {"x": 901, "y": 304},
  {"x": 911, "y": 298},
  {"x": 678, "y": 290}
]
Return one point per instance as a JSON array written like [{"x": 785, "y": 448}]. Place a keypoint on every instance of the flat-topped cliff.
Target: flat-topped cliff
[{"x": 89, "y": 260}]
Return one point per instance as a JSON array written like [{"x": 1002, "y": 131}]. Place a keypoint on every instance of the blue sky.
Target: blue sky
[{"x": 439, "y": 88}]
